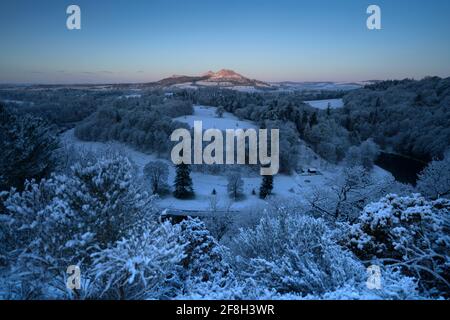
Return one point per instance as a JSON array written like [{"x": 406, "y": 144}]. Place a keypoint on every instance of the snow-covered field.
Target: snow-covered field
[
  {"x": 210, "y": 120},
  {"x": 314, "y": 86},
  {"x": 19, "y": 102},
  {"x": 296, "y": 186},
  {"x": 323, "y": 104},
  {"x": 284, "y": 186},
  {"x": 247, "y": 89},
  {"x": 186, "y": 85}
]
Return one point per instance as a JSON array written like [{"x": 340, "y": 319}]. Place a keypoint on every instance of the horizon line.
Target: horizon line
[{"x": 149, "y": 82}]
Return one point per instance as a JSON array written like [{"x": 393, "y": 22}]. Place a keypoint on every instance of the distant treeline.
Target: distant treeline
[
  {"x": 145, "y": 126},
  {"x": 62, "y": 107},
  {"x": 410, "y": 117}
]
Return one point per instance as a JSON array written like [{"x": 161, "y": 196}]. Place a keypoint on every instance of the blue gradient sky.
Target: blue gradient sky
[{"x": 134, "y": 40}]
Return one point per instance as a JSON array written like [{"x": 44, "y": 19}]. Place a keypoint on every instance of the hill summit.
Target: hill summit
[{"x": 222, "y": 78}]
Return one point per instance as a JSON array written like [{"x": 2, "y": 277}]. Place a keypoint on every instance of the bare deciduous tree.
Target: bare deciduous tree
[{"x": 158, "y": 172}]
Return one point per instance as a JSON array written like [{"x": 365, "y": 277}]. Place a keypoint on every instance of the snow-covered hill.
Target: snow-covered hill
[{"x": 224, "y": 79}]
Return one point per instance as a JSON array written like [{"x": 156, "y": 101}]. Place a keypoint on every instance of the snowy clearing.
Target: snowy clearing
[
  {"x": 284, "y": 186},
  {"x": 210, "y": 120},
  {"x": 323, "y": 104}
]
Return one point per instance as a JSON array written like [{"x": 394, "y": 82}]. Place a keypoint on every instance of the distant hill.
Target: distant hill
[{"x": 224, "y": 78}]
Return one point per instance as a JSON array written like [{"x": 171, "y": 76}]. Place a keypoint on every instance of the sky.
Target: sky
[{"x": 278, "y": 40}]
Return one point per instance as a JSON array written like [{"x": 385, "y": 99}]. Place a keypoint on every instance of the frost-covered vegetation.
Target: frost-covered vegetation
[
  {"x": 145, "y": 126},
  {"x": 27, "y": 146},
  {"x": 410, "y": 117},
  {"x": 108, "y": 211},
  {"x": 97, "y": 217},
  {"x": 60, "y": 106}
]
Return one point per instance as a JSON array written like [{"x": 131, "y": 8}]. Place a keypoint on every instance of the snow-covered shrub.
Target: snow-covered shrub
[
  {"x": 220, "y": 225},
  {"x": 394, "y": 286},
  {"x": 204, "y": 259},
  {"x": 44, "y": 234},
  {"x": 409, "y": 232},
  {"x": 294, "y": 253},
  {"x": 234, "y": 289},
  {"x": 61, "y": 221},
  {"x": 142, "y": 266}
]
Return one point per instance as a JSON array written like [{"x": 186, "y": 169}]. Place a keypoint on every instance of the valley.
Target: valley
[{"x": 297, "y": 187}]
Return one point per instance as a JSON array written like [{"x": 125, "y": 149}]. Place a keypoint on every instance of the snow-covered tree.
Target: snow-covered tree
[
  {"x": 329, "y": 139},
  {"x": 409, "y": 232},
  {"x": 158, "y": 173},
  {"x": 27, "y": 147},
  {"x": 288, "y": 144},
  {"x": 349, "y": 191},
  {"x": 434, "y": 180},
  {"x": 235, "y": 185},
  {"x": 43, "y": 236},
  {"x": 183, "y": 182},
  {"x": 363, "y": 155},
  {"x": 108, "y": 192},
  {"x": 61, "y": 221},
  {"x": 220, "y": 111},
  {"x": 204, "y": 256},
  {"x": 369, "y": 153}
]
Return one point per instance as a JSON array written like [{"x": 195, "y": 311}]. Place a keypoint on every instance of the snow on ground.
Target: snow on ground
[
  {"x": 315, "y": 86},
  {"x": 284, "y": 186},
  {"x": 130, "y": 96},
  {"x": 140, "y": 159},
  {"x": 214, "y": 83},
  {"x": 210, "y": 120},
  {"x": 297, "y": 186},
  {"x": 185, "y": 85},
  {"x": 323, "y": 104},
  {"x": 247, "y": 89},
  {"x": 224, "y": 85},
  {"x": 18, "y": 102}
]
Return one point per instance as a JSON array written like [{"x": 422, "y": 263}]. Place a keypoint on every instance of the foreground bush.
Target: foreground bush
[
  {"x": 74, "y": 220},
  {"x": 409, "y": 232},
  {"x": 293, "y": 253}
]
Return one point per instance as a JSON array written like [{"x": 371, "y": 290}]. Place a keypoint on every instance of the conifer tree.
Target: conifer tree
[
  {"x": 266, "y": 187},
  {"x": 27, "y": 145},
  {"x": 313, "y": 120},
  {"x": 183, "y": 182}
]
